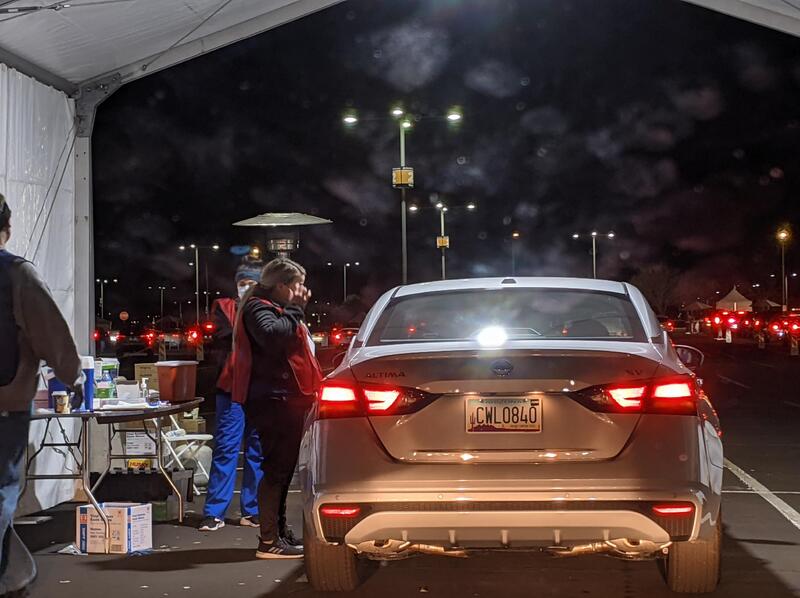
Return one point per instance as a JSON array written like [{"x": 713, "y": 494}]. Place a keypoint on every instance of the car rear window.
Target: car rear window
[{"x": 522, "y": 313}]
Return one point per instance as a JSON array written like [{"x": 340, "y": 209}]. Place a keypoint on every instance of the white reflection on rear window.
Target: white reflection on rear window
[{"x": 523, "y": 313}]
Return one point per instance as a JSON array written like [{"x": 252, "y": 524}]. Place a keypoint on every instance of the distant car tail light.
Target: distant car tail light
[
  {"x": 775, "y": 327},
  {"x": 96, "y": 335},
  {"x": 209, "y": 326},
  {"x": 675, "y": 395},
  {"x": 340, "y": 511},
  {"x": 674, "y": 509},
  {"x": 717, "y": 320},
  {"x": 731, "y": 320},
  {"x": 350, "y": 399}
]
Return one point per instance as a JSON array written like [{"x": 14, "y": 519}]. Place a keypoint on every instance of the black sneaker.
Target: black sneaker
[
  {"x": 289, "y": 537},
  {"x": 249, "y": 521},
  {"x": 211, "y": 524},
  {"x": 278, "y": 549}
]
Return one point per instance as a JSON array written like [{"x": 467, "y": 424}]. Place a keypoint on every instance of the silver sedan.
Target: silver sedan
[{"x": 520, "y": 413}]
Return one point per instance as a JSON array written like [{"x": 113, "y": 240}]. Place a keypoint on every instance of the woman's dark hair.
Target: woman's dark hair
[{"x": 5, "y": 213}]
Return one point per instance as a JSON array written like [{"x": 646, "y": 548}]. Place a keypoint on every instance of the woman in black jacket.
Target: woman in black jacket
[{"x": 276, "y": 376}]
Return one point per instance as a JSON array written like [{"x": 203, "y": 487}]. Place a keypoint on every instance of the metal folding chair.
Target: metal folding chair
[{"x": 184, "y": 447}]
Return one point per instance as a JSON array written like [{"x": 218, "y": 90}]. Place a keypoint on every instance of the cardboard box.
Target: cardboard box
[
  {"x": 131, "y": 528},
  {"x": 149, "y": 371},
  {"x": 194, "y": 425}
]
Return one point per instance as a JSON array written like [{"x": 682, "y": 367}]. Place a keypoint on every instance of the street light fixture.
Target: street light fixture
[
  {"x": 443, "y": 240},
  {"x": 103, "y": 282},
  {"x": 345, "y": 267},
  {"x": 403, "y": 177},
  {"x": 196, "y": 264},
  {"x": 594, "y": 235}
]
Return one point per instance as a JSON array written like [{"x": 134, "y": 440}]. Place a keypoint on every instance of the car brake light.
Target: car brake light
[
  {"x": 775, "y": 327},
  {"x": 337, "y": 399},
  {"x": 717, "y": 320},
  {"x": 675, "y": 390},
  {"x": 731, "y": 320},
  {"x": 674, "y": 395},
  {"x": 349, "y": 399},
  {"x": 96, "y": 335},
  {"x": 340, "y": 511},
  {"x": 674, "y": 510}
]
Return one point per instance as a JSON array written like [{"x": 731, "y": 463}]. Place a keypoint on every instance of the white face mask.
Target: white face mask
[{"x": 241, "y": 289}]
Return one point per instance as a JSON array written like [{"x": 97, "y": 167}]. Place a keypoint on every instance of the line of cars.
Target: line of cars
[
  {"x": 146, "y": 341},
  {"x": 776, "y": 327}
]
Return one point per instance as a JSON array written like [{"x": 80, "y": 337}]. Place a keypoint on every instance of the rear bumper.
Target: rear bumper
[
  {"x": 512, "y": 504},
  {"x": 506, "y": 523}
]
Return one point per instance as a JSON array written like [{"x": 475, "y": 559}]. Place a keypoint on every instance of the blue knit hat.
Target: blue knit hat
[{"x": 249, "y": 270}]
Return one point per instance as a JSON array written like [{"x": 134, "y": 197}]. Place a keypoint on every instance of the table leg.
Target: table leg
[
  {"x": 86, "y": 471},
  {"x": 159, "y": 461},
  {"x": 102, "y": 476}
]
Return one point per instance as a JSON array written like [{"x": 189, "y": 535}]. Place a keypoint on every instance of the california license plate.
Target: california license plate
[{"x": 491, "y": 414}]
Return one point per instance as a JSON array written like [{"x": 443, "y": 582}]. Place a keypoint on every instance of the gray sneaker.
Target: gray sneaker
[{"x": 278, "y": 549}]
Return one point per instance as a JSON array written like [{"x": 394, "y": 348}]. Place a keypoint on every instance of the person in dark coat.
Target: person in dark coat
[{"x": 276, "y": 376}]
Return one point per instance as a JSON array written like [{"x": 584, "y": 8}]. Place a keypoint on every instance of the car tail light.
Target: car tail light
[
  {"x": 674, "y": 509},
  {"x": 731, "y": 320},
  {"x": 734, "y": 326},
  {"x": 675, "y": 395},
  {"x": 775, "y": 327},
  {"x": 209, "y": 326},
  {"x": 350, "y": 399},
  {"x": 628, "y": 397},
  {"x": 96, "y": 335},
  {"x": 717, "y": 320},
  {"x": 340, "y": 511}
]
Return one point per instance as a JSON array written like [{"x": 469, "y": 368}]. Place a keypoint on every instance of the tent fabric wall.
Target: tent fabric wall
[{"x": 37, "y": 178}]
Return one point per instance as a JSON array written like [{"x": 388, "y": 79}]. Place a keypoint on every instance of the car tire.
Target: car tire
[
  {"x": 694, "y": 567},
  {"x": 330, "y": 568}
]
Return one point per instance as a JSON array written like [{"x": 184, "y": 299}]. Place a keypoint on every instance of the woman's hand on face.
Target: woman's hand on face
[{"x": 302, "y": 296}]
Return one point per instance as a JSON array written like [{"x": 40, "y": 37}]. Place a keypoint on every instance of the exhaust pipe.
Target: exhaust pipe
[
  {"x": 622, "y": 548},
  {"x": 398, "y": 549}
]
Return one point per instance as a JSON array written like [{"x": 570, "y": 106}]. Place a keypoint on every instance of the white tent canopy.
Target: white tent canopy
[
  {"x": 735, "y": 301},
  {"x": 67, "y": 57}
]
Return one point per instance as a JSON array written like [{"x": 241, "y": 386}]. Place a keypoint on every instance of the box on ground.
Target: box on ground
[{"x": 131, "y": 528}]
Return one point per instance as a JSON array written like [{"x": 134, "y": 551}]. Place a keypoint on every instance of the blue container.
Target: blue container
[{"x": 87, "y": 363}]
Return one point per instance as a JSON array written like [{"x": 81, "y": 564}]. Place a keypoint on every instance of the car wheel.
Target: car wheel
[
  {"x": 694, "y": 567},
  {"x": 330, "y": 568}
]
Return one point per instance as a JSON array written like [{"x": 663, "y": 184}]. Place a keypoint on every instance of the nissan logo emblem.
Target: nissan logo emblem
[{"x": 502, "y": 367}]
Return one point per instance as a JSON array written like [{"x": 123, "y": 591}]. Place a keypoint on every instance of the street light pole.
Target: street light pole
[
  {"x": 444, "y": 259},
  {"x": 514, "y": 236},
  {"x": 783, "y": 236},
  {"x": 403, "y": 229},
  {"x": 594, "y": 235}
]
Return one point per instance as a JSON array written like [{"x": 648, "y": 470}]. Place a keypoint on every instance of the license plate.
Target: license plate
[{"x": 503, "y": 415}]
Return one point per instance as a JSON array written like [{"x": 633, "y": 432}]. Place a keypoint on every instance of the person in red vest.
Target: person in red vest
[
  {"x": 231, "y": 423},
  {"x": 276, "y": 377}
]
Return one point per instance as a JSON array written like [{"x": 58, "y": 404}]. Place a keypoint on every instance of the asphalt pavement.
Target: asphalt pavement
[{"x": 757, "y": 394}]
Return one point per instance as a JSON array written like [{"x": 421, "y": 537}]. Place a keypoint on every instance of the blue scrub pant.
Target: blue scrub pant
[{"x": 231, "y": 428}]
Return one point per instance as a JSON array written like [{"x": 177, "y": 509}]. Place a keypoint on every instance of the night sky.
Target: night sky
[{"x": 675, "y": 127}]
